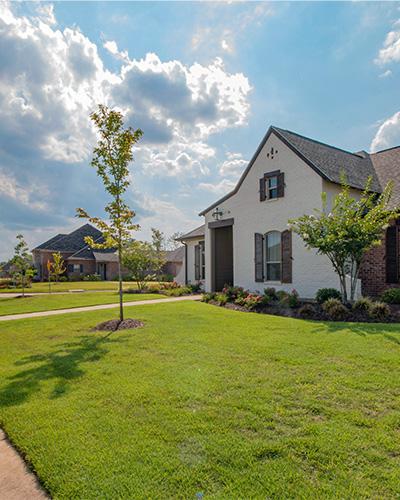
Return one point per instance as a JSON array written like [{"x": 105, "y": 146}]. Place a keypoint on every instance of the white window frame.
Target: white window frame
[{"x": 266, "y": 261}]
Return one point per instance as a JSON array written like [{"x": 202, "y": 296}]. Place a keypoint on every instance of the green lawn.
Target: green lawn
[
  {"x": 71, "y": 285},
  {"x": 56, "y": 301},
  {"x": 204, "y": 400}
]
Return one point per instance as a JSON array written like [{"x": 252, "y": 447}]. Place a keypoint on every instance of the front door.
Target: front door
[
  {"x": 223, "y": 257},
  {"x": 101, "y": 270}
]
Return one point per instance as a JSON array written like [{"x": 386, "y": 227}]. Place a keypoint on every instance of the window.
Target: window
[
  {"x": 272, "y": 187},
  {"x": 202, "y": 260},
  {"x": 75, "y": 268},
  {"x": 273, "y": 256}
]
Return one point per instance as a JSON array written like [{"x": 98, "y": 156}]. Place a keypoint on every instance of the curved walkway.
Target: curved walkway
[{"x": 96, "y": 308}]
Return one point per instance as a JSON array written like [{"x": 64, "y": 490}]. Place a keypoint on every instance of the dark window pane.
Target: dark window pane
[{"x": 274, "y": 271}]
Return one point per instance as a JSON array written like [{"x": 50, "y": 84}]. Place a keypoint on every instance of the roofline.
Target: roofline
[
  {"x": 185, "y": 237},
  {"x": 254, "y": 157}
]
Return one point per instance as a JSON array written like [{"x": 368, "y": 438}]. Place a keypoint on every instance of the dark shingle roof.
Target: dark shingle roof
[
  {"x": 50, "y": 243},
  {"x": 71, "y": 242},
  {"x": 176, "y": 255},
  {"x": 330, "y": 161},
  {"x": 89, "y": 253},
  {"x": 387, "y": 166},
  {"x": 196, "y": 233}
]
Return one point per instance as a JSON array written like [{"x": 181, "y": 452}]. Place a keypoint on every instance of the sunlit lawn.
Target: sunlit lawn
[
  {"x": 206, "y": 401},
  {"x": 64, "y": 301},
  {"x": 71, "y": 285}
]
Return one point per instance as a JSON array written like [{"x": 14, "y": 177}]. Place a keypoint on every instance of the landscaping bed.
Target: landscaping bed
[{"x": 326, "y": 307}]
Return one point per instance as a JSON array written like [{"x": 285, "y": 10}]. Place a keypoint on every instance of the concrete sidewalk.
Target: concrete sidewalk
[
  {"x": 96, "y": 308},
  {"x": 17, "y": 482}
]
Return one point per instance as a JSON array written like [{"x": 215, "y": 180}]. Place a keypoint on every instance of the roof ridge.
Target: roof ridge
[{"x": 317, "y": 142}]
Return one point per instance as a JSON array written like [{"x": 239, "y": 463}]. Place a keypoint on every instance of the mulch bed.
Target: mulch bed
[
  {"x": 115, "y": 324},
  {"x": 318, "y": 315}
]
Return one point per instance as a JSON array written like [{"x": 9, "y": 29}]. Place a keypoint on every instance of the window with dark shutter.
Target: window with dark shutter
[
  {"x": 81, "y": 268},
  {"x": 197, "y": 262},
  {"x": 286, "y": 249},
  {"x": 259, "y": 257},
  {"x": 281, "y": 185},
  {"x": 392, "y": 265},
  {"x": 262, "y": 189}
]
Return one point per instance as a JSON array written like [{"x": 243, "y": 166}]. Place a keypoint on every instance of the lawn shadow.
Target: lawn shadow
[
  {"x": 389, "y": 331},
  {"x": 64, "y": 364}
]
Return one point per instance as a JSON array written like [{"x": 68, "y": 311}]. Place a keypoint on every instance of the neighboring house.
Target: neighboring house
[
  {"x": 246, "y": 240},
  {"x": 173, "y": 266},
  {"x": 6, "y": 270},
  {"x": 79, "y": 258}
]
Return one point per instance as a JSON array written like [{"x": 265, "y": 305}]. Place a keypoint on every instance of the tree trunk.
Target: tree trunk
[{"x": 121, "y": 306}]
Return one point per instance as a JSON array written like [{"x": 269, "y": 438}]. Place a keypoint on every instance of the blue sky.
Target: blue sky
[{"x": 203, "y": 80}]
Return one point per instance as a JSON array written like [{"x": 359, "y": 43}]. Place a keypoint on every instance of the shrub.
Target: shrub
[
  {"x": 252, "y": 301},
  {"x": 323, "y": 294},
  {"x": 307, "y": 311},
  {"x": 379, "y": 310},
  {"x": 194, "y": 287},
  {"x": 335, "y": 309},
  {"x": 391, "y": 296},
  {"x": 133, "y": 290},
  {"x": 270, "y": 293},
  {"x": 221, "y": 299},
  {"x": 208, "y": 297},
  {"x": 75, "y": 277},
  {"x": 63, "y": 279},
  {"x": 293, "y": 299},
  {"x": 169, "y": 285},
  {"x": 363, "y": 304},
  {"x": 92, "y": 277},
  {"x": 234, "y": 292},
  {"x": 283, "y": 297},
  {"x": 7, "y": 283},
  {"x": 240, "y": 301},
  {"x": 176, "y": 291}
]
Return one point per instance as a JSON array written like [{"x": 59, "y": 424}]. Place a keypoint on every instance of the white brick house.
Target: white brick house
[{"x": 245, "y": 237}]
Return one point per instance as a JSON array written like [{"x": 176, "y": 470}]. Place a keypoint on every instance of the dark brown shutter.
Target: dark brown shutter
[
  {"x": 262, "y": 189},
  {"x": 281, "y": 185},
  {"x": 392, "y": 268},
  {"x": 259, "y": 257},
  {"x": 286, "y": 249},
  {"x": 197, "y": 262}
]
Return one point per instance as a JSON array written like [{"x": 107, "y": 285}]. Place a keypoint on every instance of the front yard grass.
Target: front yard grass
[
  {"x": 64, "y": 301},
  {"x": 65, "y": 286},
  {"x": 204, "y": 400}
]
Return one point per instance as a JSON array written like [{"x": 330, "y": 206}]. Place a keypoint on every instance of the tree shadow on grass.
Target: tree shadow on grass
[
  {"x": 389, "y": 331},
  {"x": 64, "y": 364}
]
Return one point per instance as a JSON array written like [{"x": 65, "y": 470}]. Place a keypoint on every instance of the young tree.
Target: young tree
[
  {"x": 158, "y": 242},
  {"x": 22, "y": 264},
  {"x": 346, "y": 232},
  {"x": 49, "y": 266},
  {"x": 111, "y": 158},
  {"x": 57, "y": 267},
  {"x": 140, "y": 258},
  {"x": 172, "y": 244}
]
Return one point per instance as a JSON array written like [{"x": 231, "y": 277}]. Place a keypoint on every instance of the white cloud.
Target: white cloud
[
  {"x": 388, "y": 134},
  {"x": 220, "y": 188},
  {"x": 45, "y": 12},
  {"x": 386, "y": 74},
  {"x": 28, "y": 196},
  {"x": 112, "y": 47},
  {"x": 233, "y": 166},
  {"x": 391, "y": 47}
]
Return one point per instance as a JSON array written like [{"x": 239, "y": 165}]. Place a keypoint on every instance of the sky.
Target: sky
[{"x": 203, "y": 80}]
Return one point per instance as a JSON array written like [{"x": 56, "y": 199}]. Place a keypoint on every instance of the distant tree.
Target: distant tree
[
  {"x": 140, "y": 258},
  {"x": 158, "y": 242},
  {"x": 57, "y": 267},
  {"x": 49, "y": 266},
  {"x": 22, "y": 264},
  {"x": 172, "y": 244},
  {"x": 347, "y": 230},
  {"x": 111, "y": 158}
]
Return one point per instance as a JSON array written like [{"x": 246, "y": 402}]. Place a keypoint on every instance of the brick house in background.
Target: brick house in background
[{"x": 79, "y": 258}]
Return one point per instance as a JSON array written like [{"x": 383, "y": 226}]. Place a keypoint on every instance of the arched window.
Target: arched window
[{"x": 273, "y": 256}]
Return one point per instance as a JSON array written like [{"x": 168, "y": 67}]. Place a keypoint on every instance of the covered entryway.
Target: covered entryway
[{"x": 222, "y": 253}]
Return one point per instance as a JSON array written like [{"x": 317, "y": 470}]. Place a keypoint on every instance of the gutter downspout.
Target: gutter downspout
[{"x": 186, "y": 253}]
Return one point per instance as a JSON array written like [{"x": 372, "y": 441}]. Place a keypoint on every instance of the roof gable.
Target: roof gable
[
  {"x": 327, "y": 161},
  {"x": 71, "y": 242}
]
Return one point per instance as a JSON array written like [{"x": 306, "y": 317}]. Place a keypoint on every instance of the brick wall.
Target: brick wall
[{"x": 373, "y": 271}]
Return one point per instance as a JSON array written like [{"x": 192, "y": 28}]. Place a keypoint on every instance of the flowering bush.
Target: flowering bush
[
  {"x": 234, "y": 292},
  {"x": 252, "y": 301}
]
